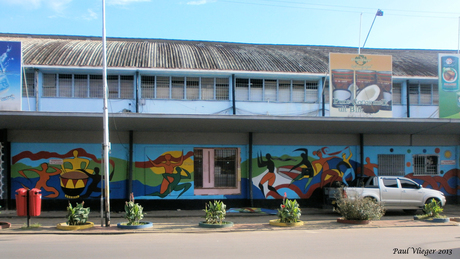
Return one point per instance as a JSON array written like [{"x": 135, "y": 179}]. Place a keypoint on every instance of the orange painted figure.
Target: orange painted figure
[
  {"x": 169, "y": 175},
  {"x": 44, "y": 177},
  {"x": 270, "y": 176}
]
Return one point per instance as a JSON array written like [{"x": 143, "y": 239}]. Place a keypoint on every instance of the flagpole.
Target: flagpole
[
  {"x": 359, "y": 43},
  {"x": 458, "y": 36},
  {"x": 106, "y": 145},
  {"x": 378, "y": 13}
]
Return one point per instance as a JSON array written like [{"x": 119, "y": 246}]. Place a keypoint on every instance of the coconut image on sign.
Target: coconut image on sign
[{"x": 369, "y": 99}]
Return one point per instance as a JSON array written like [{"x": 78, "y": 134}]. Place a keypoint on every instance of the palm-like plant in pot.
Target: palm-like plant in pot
[
  {"x": 134, "y": 213},
  {"x": 288, "y": 214},
  {"x": 215, "y": 214},
  {"x": 77, "y": 218}
]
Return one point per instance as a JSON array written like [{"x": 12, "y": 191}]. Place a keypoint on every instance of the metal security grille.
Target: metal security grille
[
  {"x": 192, "y": 88},
  {"x": 222, "y": 89},
  {"x": 207, "y": 88},
  {"x": 81, "y": 86},
  {"x": 425, "y": 164},
  {"x": 396, "y": 96},
  {"x": 28, "y": 85},
  {"x": 177, "y": 88},
  {"x": 242, "y": 89},
  {"x": 391, "y": 165},
  {"x": 215, "y": 167},
  {"x": 225, "y": 168},
  {"x": 423, "y": 94},
  {"x": 284, "y": 91},
  {"x": 298, "y": 91},
  {"x": 311, "y": 92},
  {"x": 95, "y": 86},
  {"x": 126, "y": 87},
  {"x": 49, "y": 85},
  {"x": 270, "y": 91},
  {"x": 198, "y": 167},
  {"x": 65, "y": 85},
  {"x": 148, "y": 87}
]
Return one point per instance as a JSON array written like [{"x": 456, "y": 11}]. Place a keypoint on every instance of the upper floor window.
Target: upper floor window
[
  {"x": 28, "y": 84},
  {"x": 271, "y": 90},
  {"x": 423, "y": 94},
  {"x": 87, "y": 86},
  {"x": 184, "y": 88}
]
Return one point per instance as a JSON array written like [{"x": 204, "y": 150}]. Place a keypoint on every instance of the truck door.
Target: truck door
[
  {"x": 411, "y": 194},
  {"x": 390, "y": 192}
]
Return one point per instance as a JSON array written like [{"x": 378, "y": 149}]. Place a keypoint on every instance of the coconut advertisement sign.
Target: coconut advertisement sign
[
  {"x": 10, "y": 76},
  {"x": 361, "y": 85},
  {"x": 449, "y": 94}
]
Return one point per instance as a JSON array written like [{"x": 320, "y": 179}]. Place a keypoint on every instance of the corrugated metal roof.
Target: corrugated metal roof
[{"x": 44, "y": 50}]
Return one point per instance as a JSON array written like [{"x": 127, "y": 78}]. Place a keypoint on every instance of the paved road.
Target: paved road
[{"x": 322, "y": 243}]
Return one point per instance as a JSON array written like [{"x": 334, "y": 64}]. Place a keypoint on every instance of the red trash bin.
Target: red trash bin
[
  {"x": 35, "y": 202},
  {"x": 21, "y": 202}
]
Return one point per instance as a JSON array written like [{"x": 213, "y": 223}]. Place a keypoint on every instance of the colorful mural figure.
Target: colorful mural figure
[
  {"x": 348, "y": 168},
  {"x": 76, "y": 177},
  {"x": 305, "y": 162},
  {"x": 304, "y": 177},
  {"x": 270, "y": 176},
  {"x": 44, "y": 177},
  {"x": 172, "y": 175}
]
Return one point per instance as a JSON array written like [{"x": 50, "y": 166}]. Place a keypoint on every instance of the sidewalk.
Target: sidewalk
[{"x": 186, "y": 221}]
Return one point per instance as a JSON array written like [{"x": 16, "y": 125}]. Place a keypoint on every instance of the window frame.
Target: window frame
[
  {"x": 421, "y": 169},
  {"x": 210, "y": 188}
]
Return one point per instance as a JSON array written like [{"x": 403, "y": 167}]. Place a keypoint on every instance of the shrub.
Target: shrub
[
  {"x": 77, "y": 215},
  {"x": 133, "y": 211},
  {"x": 289, "y": 211},
  {"x": 433, "y": 209},
  {"x": 358, "y": 208},
  {"x": 215, "y": 212}
]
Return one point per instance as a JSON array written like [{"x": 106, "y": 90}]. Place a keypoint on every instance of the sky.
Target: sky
[{"x": 405, "y": 24}]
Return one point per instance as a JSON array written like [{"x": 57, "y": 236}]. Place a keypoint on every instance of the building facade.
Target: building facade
[{"x": 196, "y": 121}]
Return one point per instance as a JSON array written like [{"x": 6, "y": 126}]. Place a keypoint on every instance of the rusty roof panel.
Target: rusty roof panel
[{"x": 176, "y": 54}]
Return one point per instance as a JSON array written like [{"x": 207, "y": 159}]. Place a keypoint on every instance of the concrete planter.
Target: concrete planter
[
  {"x": 142, "y": 224},
  {"x": 276, "y": 222},
  {"x": 433, "y": 220},
  {"x": 353, "y": 221},
  {"x": 4, "y": 224},
  {"x": 225, "y": 224},
  {"x": 64, "y": 226}
]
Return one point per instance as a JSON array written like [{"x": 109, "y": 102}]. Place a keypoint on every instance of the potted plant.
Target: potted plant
[
  {"x": 77, "y": 218},
  {"x": 214, "y": 215},
  {"x": 134, "y": 214},
  {"x": 432, "y": 211},
  {"x": 357, "y": 209},
  {"x": 288, "y": 214},
  {"x": 4, "y": 224}
]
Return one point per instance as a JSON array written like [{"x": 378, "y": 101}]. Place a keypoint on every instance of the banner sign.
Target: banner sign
[
  {"x": 449, "y": 95},
  {"x": 361, "y": 85},
  {"x": 10, "y": 76}
]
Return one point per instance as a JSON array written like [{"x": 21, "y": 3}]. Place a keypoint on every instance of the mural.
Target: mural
[
  {"x": 301, "y": 176},
  {"x": 173, "y": 169},
  {"x": 70, "y": 171},
  {"x": 74, "y": 174}
]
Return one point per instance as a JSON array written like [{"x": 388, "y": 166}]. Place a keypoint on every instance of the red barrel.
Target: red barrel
[
  {"x": 35, "y": 202},
  {"x": 21, "y": 202}
]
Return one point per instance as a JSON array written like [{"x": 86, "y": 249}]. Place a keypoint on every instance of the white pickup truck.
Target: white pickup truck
[{"x": 397, "y": 193}]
